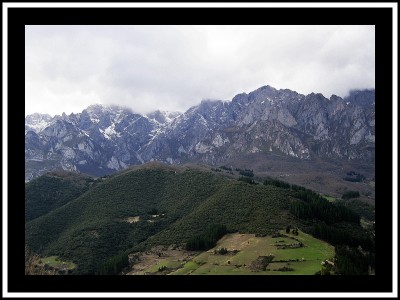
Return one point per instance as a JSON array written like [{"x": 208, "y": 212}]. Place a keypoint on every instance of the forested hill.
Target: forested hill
[
  {"x": 162, "y": 205},
  {"x": 53, "y": 190}
]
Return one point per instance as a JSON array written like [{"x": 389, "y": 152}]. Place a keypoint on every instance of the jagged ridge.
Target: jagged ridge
[{"x": 103, "y": 139}]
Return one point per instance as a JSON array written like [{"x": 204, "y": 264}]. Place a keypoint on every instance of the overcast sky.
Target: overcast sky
[{"x": 145, "y": 68}]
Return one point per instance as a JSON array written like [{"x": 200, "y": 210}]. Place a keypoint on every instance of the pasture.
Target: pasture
[
  {"x": 292, "y": 255},
  {"x": 55, "y": 263}
]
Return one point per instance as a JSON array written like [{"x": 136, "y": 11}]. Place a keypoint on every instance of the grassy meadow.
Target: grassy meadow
[{"x": 245, "y": 249}]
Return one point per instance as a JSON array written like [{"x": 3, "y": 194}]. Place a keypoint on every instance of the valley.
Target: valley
[
  {"x": 143, "y": 218},
  {"x": 208, "y": 190}
]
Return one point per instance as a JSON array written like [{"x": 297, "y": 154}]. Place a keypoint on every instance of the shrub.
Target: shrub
[
  {"x": 351, "y": 194},
  {"x": 222, "y": 251},
  {"x": 247, "y": 180}
]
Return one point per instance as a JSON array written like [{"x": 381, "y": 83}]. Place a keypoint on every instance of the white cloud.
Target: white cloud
[{"x": 175, "y": 67}]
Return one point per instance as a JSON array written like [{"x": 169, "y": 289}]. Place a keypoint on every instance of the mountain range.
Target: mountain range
[{"x": 103, "y": 139}]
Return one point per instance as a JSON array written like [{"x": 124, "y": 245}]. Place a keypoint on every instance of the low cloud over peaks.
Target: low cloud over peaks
[{"x": 173, "y": 67}]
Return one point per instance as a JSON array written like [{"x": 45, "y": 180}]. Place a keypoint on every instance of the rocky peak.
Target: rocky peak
[
  {"x": 240, "y": 98},
  {"x": 363, "y": 98},
  {"x": 163, "y": 117},
  {"x": 100, "y": 139},
  {"x": 37, "y": 122},
  {"x": 266, "y": 89},
  {"x": 37, "y": 117},
  {"x": 95, "y": 109}
]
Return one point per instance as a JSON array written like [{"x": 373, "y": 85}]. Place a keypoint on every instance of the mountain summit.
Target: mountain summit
[{"x": 103, "y": 139}]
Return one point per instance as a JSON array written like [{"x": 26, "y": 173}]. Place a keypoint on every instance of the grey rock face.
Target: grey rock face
[{"x": 101, "y": 140}]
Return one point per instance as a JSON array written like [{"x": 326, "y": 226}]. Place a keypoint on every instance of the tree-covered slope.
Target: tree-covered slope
[
  {"x": 53, "y": 190},
  {"x": 95, "y": 226},
  {"x": 157, "y": 204},
  {"x": 237, "y": 205}
]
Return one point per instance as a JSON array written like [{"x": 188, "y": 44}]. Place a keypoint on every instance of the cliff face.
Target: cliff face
[{"x": 100, "y": 140}]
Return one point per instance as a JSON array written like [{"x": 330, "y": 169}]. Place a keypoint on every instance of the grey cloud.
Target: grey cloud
[{"x": 175, "y": 67}]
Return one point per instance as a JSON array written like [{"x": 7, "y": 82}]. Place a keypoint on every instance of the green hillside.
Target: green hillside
[
  {"x": 53, "y": 190},
  {"x": 245, "y": 250},
  {"x": 156, "y": 204},
  {"x": 239, "y": 206},
  {"x": 95, "y": 226}
]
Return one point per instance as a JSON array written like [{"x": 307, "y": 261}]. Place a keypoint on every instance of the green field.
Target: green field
[
  {"x": 164, "y": 263},
  {"x": 366, "y": 224},
  {"x": 371, "y": 184},
  {"x": 304, "y": 261},
  {"x": 329, "y": 198},
  {"x": 189, "y": 267},
  {"x": 54, "y": 262}
]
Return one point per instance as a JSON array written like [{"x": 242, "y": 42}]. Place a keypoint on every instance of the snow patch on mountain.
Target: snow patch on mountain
[
  {"x": 110, "y": 132},
  {"x": 37, "y": 122},
  {"x": 38, "y": 127},
  {"x": 104, "y": 138}
]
